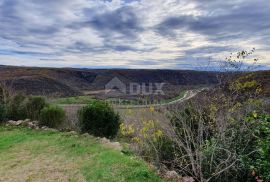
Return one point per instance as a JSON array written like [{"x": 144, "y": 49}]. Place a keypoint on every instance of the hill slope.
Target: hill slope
[
  {"x": 66, "y": 82},
  {"x": 72, "y": 82}
]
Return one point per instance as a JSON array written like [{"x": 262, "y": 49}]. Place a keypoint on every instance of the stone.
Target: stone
[
  {"x": 71, "y": 133},
  {"x": 187, "y": 179},
  {"x": 19, "y": 122},
  {"x": 104, "y": 140},
  {"x": 51, "y": 129},
  {"x": 11, "y": 122},
  {"x": 113, "y": 145},
  {"x": 86, "y": 135},
  {"x": 27, "y": 120},
  {"x": 36, "y": 122},
  {"x": 31, "y": 125},
  {"x": 172, "y": 175},
  {"x": 24, "y": 123}
]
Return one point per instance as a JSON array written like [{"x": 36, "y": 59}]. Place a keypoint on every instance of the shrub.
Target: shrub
[
  {"x": 34, "y": 105},
  {"x": 22, "y": 107},
  {"x": 2, "y": 105},
  {"x": 16, "y": 107},
  {"x": 153, "y": 145},
  {"x": 158, "y": 150},
  {"x": 259, "y": 161},
  {"x": 52, "y": 116},
  {"x": 99, "y": 119},
  {"x": 2, "y": 112}
]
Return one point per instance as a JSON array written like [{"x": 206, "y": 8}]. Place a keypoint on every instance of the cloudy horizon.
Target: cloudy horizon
[{"x": 160, "y": 34}]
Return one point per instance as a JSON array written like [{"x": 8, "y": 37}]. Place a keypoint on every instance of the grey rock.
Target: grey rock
[
  {"x": 105, "y": 140},
  {"x": 11, "y": 122},
  {"x": 187, "y": 179},
  {"x": 172, "y": 175},
  {"x": 19, "y": 122},
  {"x": 87, "y": 135},
  {"x": 113, "y": 145},
  {"x": 32, "y": 125},
  {"x": 71, "y": 133},
  {"x": 27, "y": 120},
  {"x": 51, "y": 129}
]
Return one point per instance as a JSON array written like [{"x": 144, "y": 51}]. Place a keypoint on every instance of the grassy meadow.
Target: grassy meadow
[
  {"x": 73, "y": 100},
  {"x": 87, "y": 99},
  {"x": 32, "y": 155}
]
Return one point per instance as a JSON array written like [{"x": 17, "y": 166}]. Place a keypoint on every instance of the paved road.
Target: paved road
[{"x": 188, "y": 95}]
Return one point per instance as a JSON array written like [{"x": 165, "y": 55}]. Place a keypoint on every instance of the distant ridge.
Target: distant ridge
[{"x": 74, "y": 81}]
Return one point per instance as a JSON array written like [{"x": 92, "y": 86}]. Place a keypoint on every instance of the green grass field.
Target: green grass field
[
  {"x": 36, "y": 155},
  {"x": 88, "y": 99},
  {"x": 181, "y": 95},
  {"x": 73, "y": 100}
]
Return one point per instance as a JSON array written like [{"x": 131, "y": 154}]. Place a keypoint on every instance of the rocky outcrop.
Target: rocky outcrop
[{"x": 27, "y": 123}]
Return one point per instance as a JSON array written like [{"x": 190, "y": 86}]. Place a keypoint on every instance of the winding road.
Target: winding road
[{"x": 188, "y": 95}]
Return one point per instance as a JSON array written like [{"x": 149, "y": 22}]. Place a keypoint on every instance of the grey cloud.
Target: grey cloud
[
  {"x": 122, "y": 20},
  {"x": 210, "y": 49},
  {"x": 80, "y": 47},
  {"x": 223, "y": 22},
  {"x": 43, "y": 29},
  {"x": 121, "y": 24}
]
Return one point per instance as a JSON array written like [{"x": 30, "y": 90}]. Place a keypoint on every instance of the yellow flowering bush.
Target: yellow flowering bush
[
  {"x": 127, "y": 130},
  {"x": 148, "y": 131},
  {"x": 152, "y": 109}
]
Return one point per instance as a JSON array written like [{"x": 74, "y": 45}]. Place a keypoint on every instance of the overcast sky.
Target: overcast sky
[{"x": 163, "y": 34}]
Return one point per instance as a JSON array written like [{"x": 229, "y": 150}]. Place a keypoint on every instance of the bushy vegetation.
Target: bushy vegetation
[
  {"x": 34, "y": 105},
  {"x": 222, "y": 135},
  {"x": 2, "y": 112},
  {"x": 19, "y": 107},
  {"x": 210, "y": 142},
  {"x": 151, "y": 141},
  {"x": 52, "y": 116},
  {"x": 259, "y": 161},
  {"x": 2, "y": 105},
  {"x": 99, "y": 119},
  {"x": 16, "y": 107}
]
